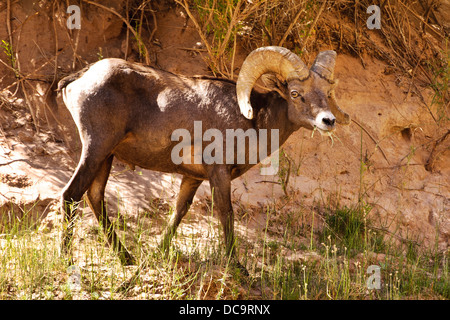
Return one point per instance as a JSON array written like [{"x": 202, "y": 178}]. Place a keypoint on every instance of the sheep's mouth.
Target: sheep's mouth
[{"x": 324, "y": 132}]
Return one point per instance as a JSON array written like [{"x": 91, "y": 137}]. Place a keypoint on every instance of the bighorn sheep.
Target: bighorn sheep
[{"x": 130, "y": 111}]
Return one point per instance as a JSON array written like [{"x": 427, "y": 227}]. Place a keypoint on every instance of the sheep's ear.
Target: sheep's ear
[{"x": 272, "y": 82}]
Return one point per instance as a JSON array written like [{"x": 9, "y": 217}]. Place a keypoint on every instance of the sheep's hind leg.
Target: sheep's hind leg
[
  {"x": 73, "y": 192},
  {"x": 188, "y": 188},
  {"x": 96, "y": 200}
]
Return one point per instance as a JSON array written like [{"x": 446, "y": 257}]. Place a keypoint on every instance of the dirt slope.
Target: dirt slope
[{"x": 407, "y": 199}]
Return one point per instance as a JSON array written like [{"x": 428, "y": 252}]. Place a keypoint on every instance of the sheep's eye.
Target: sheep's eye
[{"x": 294, "y": 94}]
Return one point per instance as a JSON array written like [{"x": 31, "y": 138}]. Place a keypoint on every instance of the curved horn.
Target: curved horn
[
  {"x": 341, "y": 116},
  {"x": 324, "y": 66},
  {"x": 266, "y": 60}
]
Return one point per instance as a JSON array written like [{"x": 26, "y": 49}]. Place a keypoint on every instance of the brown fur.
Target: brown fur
[{"x": 129, "y": 111}]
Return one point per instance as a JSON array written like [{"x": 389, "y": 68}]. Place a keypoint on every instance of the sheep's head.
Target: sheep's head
[{"x": 309, "y": 92}]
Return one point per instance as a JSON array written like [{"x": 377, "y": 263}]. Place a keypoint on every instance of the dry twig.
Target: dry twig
[{"x": 429, "y": 166}]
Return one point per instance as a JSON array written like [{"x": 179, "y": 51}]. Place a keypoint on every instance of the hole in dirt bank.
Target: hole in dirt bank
[{"x": 406, "y": 134}]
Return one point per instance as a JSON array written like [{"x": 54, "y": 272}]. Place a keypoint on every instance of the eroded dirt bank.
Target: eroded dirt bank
[{"x": 383, "y": 164}]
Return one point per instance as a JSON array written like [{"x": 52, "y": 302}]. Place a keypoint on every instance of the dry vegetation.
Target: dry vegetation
[{"x": 301, "y": 252}]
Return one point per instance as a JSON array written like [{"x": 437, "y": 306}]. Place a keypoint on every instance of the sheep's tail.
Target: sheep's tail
[{"x": 71, "y": 78}]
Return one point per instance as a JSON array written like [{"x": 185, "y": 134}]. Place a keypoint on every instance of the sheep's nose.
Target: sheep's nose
[{"x": 329, "y": 122}]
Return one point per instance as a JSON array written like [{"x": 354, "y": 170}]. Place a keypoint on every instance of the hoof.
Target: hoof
[
  {"x": 126, "y": 259},
  {"x": 240, "y": 268}
]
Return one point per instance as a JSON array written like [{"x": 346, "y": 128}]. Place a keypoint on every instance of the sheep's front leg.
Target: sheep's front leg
[
  {"x": 220, "y": 182},
  {"x": 188, "y": 188}
]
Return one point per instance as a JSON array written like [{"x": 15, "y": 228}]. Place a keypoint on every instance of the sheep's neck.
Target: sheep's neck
[{"x": 273, "y": 114}]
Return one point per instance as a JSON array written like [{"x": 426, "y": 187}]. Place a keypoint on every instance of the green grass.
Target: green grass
[
  {"x": 350, "y": 228},
  {"x": 9, "y": 52},
  {"x": 285, "y": 260}
]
